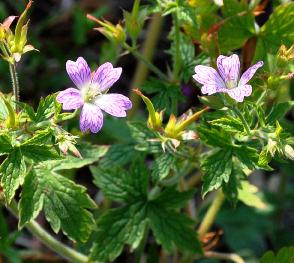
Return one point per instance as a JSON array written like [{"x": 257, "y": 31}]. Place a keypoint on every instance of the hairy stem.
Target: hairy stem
[
  {"x": 245, "y": 123},
  {"x": 15, "y": 84},
  {"x": 211, "y": 214},
  {"x": 225, "y": 256},
  {"x": 49, "y": 241}
]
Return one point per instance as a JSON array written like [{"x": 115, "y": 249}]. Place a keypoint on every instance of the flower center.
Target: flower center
[{"x": 89, "y": 93}]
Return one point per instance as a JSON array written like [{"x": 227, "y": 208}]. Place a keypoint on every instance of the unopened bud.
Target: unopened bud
[{"x": 289, "y": 152}]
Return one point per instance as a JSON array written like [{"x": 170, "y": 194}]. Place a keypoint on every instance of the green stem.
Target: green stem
[
  {"x": 240, "y": 115},
  {"x": 64, "y": 251},
  {"x": 15, "y": 84},
  {"x": 224, "y": 256},
  {"x": 177, "y": 59},
  {"x": 211, "y": 214},
  {"x": 142, "y": 58}
]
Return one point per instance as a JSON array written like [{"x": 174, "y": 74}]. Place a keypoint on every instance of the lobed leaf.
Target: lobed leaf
[
  {"x": 65, "y": 203},
  {"x": 217, "y": 168},
  {"x": 173, "y": 229},
  {"x": 117, "y": 227},
  {"x": 12, "y": 172}
]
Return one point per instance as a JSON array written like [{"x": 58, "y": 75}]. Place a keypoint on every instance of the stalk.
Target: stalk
[
  {"x": 15, "y": 84},
  {"x": 211, "y": 214},
  {"x": 145, "y": 58}
]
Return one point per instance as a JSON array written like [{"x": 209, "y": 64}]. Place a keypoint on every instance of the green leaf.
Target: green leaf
[
  {"x": 125, "y": 225},
  {"x": 279, "y": 111},
  {"x": 171, "y": 198},
  {"x": 90, "y": 154},
  {"x": 247, "y": 156},
  {"x": 285, "y": 255},
  {"x": 144, "y": 138},
  {"x": 118, "y": 154},
  {"x": 264, "y": 159},
  {"x": 12, "y": 172},
  {"x": 47, "y": 108},
  {"x": 214, "y": 137},
  {"x": 217, "y": 168},
  {"x": 173, "y": 229},
  {"x": 121, "y": 185},
  {"x": 65, "y": 203},
  {"x": 38, "y": 152},
  {"x": 5, "y": 144},
  {"x": 162, "y": 166},
  {"x": 229, "y": 124},
  {"x": 247, "y": 194},
  {"x": 231, "y": 188},
  {"x": 238, "y": 26},
  {"x": 276, "y": 31},
  {"x": 3, "y": 110},
  {"x": 165, "y": 95}
]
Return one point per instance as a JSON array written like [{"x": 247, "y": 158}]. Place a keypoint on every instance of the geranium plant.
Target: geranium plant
[{"x": 175, "y": 176}]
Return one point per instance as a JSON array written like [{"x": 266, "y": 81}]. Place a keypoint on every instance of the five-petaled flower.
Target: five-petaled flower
[
  {"x": 226, "y": 79},
  {"x": 91, "y": 94}
]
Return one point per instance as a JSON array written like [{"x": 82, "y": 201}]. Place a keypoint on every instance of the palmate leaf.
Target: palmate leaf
[
  {"x": 38, "y": 149},
  {"x": 118, "y": 154},
  {"x": 277, "y": 30},
  {"x": 47, "y": 108},
  {"x": 65, "y": 203},
  {"x": 278, "y": 111},
  {"x": 90, "y": 154},
  {"x": 236, "y": 28},
  {"x": 5, "y": 144},
  {"x": 173, "y": 229},
  {"x": 163, "y": 165},
  {"x": 285, "y": 255},
  {"x": 217, "y": 167},
  {"x": 127, "y": 224},
  {"x": 117, "y": 227},
  {"x": 121, "y": 185},
  {"x": 12, "y": 172},
  {"x": 144, "y": 138},
  {"x": 214, "y": 137},
  {"x": 229, "y": 124}
]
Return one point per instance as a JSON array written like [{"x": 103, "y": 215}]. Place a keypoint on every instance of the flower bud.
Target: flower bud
[
  {"x": 113, "y": 32},
  {"x": 155, "y": 118},
  {"x": 289, "y": 152}
]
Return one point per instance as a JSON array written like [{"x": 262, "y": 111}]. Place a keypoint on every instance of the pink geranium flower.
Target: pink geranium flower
[
  {"x": 227, "y": 78},
  {"x": 90, "y": 94}
]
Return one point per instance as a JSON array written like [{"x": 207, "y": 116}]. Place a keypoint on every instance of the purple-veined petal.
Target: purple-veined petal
[
  {"x": 79, "y": 72},
  {"x": 70, "y": 98},
  {"x": 208, "y": 76},
  {"x": 239, "y": 93},
  {"x": 105, "y": 76},
  {"x": 211, "y": 89},
  {"x": 248, "y": 74},
  {"x": 229, "y": 68},
  {"x": 91, "y": 118},
  {"x": 114, "y": 104}
]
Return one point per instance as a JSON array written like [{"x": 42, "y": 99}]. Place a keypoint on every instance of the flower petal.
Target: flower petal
[
  {"x": 79, "y": 72},
  {"x": 114, "y": 104},
  {"x": 91, "y": 118},
  {"x": 229, "y": 68},
  {"x": 105, "y": 76},
  {"x": 209, "y": 76},
  {"x": 248, "y": 74},
  {"x": 70, "y": 98},
  {"x": 239, "y": 93},
  {"x": 211, "y": 89}
]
